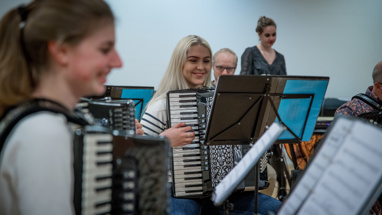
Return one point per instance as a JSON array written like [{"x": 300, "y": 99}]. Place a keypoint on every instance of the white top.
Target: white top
[
  {"x": 154, "y": 120},
  {"x": 36, "y": 167}
]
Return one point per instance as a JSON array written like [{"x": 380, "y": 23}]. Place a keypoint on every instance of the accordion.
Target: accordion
[
  {"x": 197, "y": 168},
  {"x": 116, "y": 114},
  {"x": 119, "y": 174},
  {"x": 374, "y": 117}
]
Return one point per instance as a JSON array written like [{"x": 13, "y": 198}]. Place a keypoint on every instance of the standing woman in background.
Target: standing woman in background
[
  {"x": 262, "y": 59},
  {"x": 52, "y": 52}
]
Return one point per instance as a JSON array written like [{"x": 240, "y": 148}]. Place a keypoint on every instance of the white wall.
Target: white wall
[{"x": 336, "y": 38}]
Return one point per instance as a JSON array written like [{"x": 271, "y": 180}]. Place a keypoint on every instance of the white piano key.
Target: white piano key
[
  {"x": 178, "y": 117},
  {"x": 187, "y": 159},
  {"x": 191, "y": 145},
  {"x": 188, "y": 121},
  {"x": 184, "y": 176},
  {"x": 92, "y": 197},
  {"x": 181, "y": 170},
  {"x": 95, "y": 145},
  {"x": 195, "y": 181},
  {"x": 182, "y": 194},
  {"x": 189, "y": 185},
  {"x": 181, "y": 106},
  {"x": 91, "y": 183},
  {"x": 100, "y": 172},
  {"x": 181, "y": 163},
  {"x": 181, "y": 152},
  {"x": 183, "y": 112},
  {"x": 182, "y": 95}
]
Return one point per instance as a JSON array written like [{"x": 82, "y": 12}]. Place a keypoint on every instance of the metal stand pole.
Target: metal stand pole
[{"x": 256, "y": 199}]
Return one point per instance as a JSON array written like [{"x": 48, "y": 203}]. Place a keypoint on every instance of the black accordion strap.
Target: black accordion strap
[
  {"x": 12, "y": 116},
  {"x": 368, "y": 100}
]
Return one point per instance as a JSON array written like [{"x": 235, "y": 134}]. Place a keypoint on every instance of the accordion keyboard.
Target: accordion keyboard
[
  {"x": 190, "y": 161},
  {"x": 198, "y": 168},
  {"x": 93, "y": 172},
  {"x": 119, "y": 174}
]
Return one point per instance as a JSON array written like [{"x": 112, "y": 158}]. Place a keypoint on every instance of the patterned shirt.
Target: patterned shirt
[{"x": 355, "y": 107}]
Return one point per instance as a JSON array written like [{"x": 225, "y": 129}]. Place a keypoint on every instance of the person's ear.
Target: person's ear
[
  {"x": 377, "y": 85},
  {"x": 59, "y": 52}
]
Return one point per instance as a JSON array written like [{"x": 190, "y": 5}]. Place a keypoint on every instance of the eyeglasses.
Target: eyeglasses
[{"x": 222, "y": 68}]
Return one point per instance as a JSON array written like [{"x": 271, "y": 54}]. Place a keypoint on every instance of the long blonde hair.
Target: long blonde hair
[
  {"x": 173, "y": 78},
  {"x": 24, "y": 35}
]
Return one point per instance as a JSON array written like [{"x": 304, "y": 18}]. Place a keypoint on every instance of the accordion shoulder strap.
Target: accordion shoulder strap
[
  {"x": 368, "y": 101},
  {"x": 12, "y": 116}
]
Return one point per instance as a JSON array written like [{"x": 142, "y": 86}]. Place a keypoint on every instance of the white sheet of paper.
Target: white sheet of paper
[
  {"x": 344, "y": 174},
  {"x": 238, "y": 173}
]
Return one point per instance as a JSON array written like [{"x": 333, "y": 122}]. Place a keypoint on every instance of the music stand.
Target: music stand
[
  {"x": 141, "y": 95},
  {"x": 244, "y": 106}
]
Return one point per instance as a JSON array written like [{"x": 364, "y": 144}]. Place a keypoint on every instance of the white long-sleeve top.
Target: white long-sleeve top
[{"x": 36, "y": 167}]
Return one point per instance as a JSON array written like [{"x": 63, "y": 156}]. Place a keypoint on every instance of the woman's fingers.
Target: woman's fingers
[{"x": 138, "y": 128}]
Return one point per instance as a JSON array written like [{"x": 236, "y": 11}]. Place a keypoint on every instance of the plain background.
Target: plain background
[{"x": 340, "y": 39}]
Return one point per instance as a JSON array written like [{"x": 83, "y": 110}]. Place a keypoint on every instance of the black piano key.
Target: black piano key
[
  {"x": 193, "y": 172},
  {"x": 193, "y": 178},
  {"x": 191, "y": 160},
  {"x": 190, "y": 165}
]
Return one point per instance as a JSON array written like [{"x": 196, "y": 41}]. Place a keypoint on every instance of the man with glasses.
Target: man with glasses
[
  {"x": 224, "y": 63},
  {"x": 358, "y": 105}
]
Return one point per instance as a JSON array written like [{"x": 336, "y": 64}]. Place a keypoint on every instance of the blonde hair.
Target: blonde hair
[
  {"x": 24, "y": 35},
  {"x": 173, "y": 78}
]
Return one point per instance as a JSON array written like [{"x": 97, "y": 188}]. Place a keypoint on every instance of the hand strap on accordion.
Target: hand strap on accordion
[
  {"x": 365, "y": 98},
  {"x": 12, "y": 116}
]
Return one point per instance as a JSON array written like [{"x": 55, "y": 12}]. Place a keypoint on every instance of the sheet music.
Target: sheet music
[
  {"x": 238, "y": 173},
  {"x": 345, "y": 174}
]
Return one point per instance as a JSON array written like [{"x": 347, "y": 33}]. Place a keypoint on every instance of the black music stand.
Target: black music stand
[
  {"x": 141, "y": 95},
  {"x": 244, "y": 106}
]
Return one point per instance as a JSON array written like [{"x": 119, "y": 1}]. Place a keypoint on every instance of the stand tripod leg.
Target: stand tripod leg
[
  {"x": 256, "y": 198},
  {"x": 227, "y": 207},
  {"x": 278, "y": 162},
  {"x": 294, "y": 158}
]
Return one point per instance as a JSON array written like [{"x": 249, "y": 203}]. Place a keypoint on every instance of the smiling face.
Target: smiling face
[
  {"x": 268, "y": 37},
  {"x": 90, "y": 61},
  {"x": 197, "y": 66}
]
